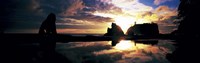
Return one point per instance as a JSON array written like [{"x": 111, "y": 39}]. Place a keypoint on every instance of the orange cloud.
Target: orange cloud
[
  {"x": 82, "y": 31},
  {"x": 164, "y": 12}
]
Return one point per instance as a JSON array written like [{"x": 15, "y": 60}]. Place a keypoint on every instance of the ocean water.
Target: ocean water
[{"x": 126, "y": 51}]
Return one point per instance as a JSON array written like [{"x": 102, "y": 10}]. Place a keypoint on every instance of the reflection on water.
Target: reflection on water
[
  {"x": 125, "y": 51},
  {"x": 125, "y": 45}
]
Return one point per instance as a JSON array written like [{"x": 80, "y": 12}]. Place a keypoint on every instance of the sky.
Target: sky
[{"x": 86, "y": 16}]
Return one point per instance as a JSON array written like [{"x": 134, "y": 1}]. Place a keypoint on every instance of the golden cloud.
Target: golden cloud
[
  {"x": 164, "y": 12},
  {"x": 83, "y": 31}
]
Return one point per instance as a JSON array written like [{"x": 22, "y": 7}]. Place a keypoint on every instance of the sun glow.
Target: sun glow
[
  {"x": 126, "y": 12},
  {"x": 125, "y": 45},
  {"x": 124, "y": 22}
]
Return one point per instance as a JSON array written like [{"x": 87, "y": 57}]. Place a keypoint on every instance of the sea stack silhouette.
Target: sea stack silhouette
[
  {"x": 188, "y": 34},
  {"x": 115, "y": 32},
  {"x": 146, "y": 29}
]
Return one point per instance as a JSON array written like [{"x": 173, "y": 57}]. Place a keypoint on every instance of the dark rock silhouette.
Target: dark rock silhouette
[
  {"x": 5, "y": 24},
  {"x": 109, "y": 32},
  {"x": 115, "y": 30},
  {"x": 48, "y": 43},
  {"x": 146, "y": 29},
  {"x": 116, "y": 33},
  {"x": 33, "y": 48},
  {"x": 187, "y": 34},
  {"x": 48, "y": 26},
  {"x": 1, "y": 28},
  {"x": 131, "y": 31},
  {"x": 190, "y": 17}
]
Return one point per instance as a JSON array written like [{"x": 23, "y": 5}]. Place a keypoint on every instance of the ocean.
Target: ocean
[{"x": 126, "y": 51}]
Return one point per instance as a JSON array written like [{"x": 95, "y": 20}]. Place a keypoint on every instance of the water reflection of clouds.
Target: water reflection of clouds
[{"x": 97, "y": 52}]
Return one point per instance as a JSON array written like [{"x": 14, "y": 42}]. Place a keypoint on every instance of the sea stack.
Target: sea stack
[
  {"x": 146, "y": 29},
  {"x": 115, "y": 32}
]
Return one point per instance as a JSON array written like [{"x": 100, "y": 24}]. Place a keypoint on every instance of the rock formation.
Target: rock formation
[
  {"x": 115, "y": 30},
  {"x": 146, "y": 29}
]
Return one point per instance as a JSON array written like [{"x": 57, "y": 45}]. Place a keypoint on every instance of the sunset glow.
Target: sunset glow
[
  {"x": 99, "y": 31},
  {"x": 125, "y": 21},
  {"x": 130, "y": 14},
  {"x": 90, "y": 16}
]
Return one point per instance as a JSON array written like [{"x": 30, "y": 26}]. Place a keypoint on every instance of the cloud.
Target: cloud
[
  {"x": 22, "y": 15},
  {"x": 79, "y": 14},
  {"x": 76, "y": 14},
  {"x": 157, "y": 2},
  {"x": 164, "y": 17},
  {"x": 84, "y": 21},
  {"x": 15, "y": 12},
  {"x": 76, "y": 6},
  {"x": 132, "y": 7},
  {"x": 168, "y": 25},
  {"x": 79, "y": 24},
  {"x": 124, "y": 12},
  {"x": 90, "y": 17},
  {"x": 82, "y": 31},
  {"x": 150, "y": 16},
  {"x": 164, "y": 12},
  {"x": 167, "y": 18},
  {"x": 65, "y": 7},
  {"x": 161, "y": 13},
  {"x": 137, "y": 11}
]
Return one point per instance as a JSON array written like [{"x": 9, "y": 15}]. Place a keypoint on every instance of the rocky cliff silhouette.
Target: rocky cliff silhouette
[
  {"x": 48, "y": 26},
  {"x": 146, "y": 29},
  {"x": 115, "y": 32},
  {"x": 189, "y": 13},
  {"x": 188, "y": 34}
]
